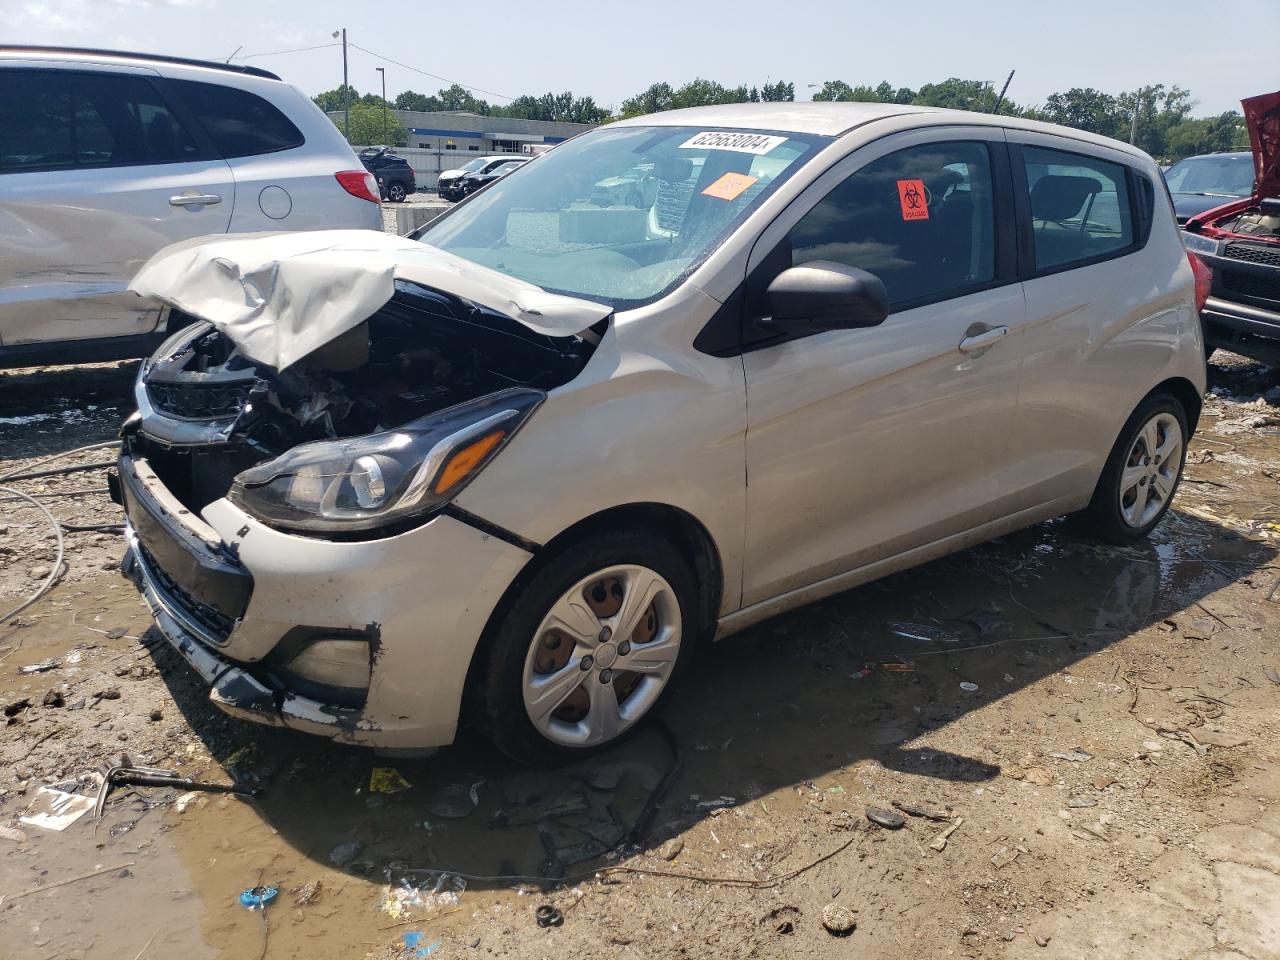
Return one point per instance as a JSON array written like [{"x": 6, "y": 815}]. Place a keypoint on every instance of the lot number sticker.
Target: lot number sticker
[
  {"x": 730, "y": 186},
  {"x": 757, "y": 143},
  {"x": 911, "y": 198}
]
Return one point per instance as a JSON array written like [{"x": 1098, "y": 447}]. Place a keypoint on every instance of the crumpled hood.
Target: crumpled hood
[
  {"x": 1262, "y": 114},
  {"x": 279, "y": 296}
]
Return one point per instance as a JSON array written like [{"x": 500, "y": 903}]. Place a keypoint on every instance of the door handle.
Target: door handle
[
  {"x": 980, "y": 341},
  {"x": 194, "y": 199}
]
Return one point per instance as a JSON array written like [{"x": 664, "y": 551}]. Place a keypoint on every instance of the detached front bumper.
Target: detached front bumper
[{"x": 237, "y": 600}]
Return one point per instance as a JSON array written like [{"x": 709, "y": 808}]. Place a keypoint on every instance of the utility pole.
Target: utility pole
[
  {"x": 346, "y": 89},
  {"x": 383, "y": 71}
]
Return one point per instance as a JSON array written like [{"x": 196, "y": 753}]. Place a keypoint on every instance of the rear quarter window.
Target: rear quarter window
[{"x": 240, "y": 123}]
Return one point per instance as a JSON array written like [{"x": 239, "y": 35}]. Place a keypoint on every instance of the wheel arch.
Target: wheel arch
[
  {"x": 683, "y": 529},
  {"x": 1185, "y": 392}
]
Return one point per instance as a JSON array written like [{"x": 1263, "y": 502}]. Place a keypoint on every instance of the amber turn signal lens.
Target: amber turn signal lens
[{"x": 466, "y": 460}]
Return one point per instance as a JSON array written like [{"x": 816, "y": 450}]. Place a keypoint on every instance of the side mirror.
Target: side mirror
[{"x": 823, "y": 295}]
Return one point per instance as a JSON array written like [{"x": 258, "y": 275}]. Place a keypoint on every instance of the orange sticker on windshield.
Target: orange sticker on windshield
[
  {"x": 730, "y": 186},
  {"x": 912, "y": 200}
]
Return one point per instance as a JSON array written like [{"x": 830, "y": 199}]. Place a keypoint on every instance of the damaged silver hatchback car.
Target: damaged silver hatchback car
[{"x": 515, "y": 471}]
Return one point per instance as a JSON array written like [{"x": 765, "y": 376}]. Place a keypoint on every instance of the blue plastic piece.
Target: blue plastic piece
[
  {"x": 413, "y": 941},
  {"x": 257, "y": 897}
]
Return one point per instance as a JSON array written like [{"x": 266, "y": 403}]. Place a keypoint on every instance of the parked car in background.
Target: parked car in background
[
  {"x": 1201, "y": 183},
  {"x": 638, "y": 187},
  {"x": 106, "y": 157},
  {"x": 476, "y": 181},
  {"x": 1240, "y": 244},
  {"x": 395, "y": 177},
  {"x": 527, "y": 466},
  {"x": 450, "y": 182}
]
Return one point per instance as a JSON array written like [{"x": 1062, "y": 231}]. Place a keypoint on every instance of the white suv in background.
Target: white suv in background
[{"x": 106, "y": 157}]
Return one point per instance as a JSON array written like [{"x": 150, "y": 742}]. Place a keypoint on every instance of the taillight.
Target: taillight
[
  {"x": 359, "y": 183},
  {"x": 1204, "y": 279}
]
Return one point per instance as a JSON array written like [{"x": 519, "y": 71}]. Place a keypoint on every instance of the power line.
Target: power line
[
  {"x": 433, "y": 76},
  {"x": 277, "y": 53}
]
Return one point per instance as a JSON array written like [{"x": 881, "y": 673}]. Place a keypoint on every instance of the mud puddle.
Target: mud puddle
[{"x": 1000, "y": 685}]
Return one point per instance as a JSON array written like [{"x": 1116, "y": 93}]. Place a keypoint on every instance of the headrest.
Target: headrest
[{"x": 1061, "y": 197}]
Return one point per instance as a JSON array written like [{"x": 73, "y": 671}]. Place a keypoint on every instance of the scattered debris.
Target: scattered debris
[
  {"x": 671, "y": 849},
  {"x": 57, "y": 806},
  {"x": 1043, "y": 941},
  {"x": 256, "y": 898},
  {"x": 968, "y": 687},
  {"x": 12, "y": 833},
  {"x": 53, "y": 697},
  {"x": 1080, "y": 802},
  {"x": 886, "y": 818},
  {"x": 718, "y": 802},
  {"x": 15, "y": 707},
  {"x": 412, "y": 940},
  {"x": 1102, "y": 781},
  {"x": 455, "y": 801},
  {"x": 921, "y": 631},
  {"x": 859, "y": 674},
  {"x": 41, "y": 667},
  {"x": 400, "y": 901},
  {"x": 1004, "y": 856},
  {"x": 180, "y": 805},
  {"x": 344, "y": 853},
  {"x": 782, "y": 919},
  {"x": 940, "y": 841},
  {"x": 839, "y": 921},
  {"x": 920, "y": 810},
  {"x": 1040, "y": 776},
  {"x": 306, "y": 894},
  {"x": 1074, "y": 756},
  {"x": 548, "y": 916},
  {"x": 387, "y": 780}
]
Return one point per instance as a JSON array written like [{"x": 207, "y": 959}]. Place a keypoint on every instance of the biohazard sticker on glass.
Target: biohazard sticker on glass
[
  {"x": 912, "y": 199},
  {"x": 757, "y": 143},
  {"x": 730, "y": 186}
]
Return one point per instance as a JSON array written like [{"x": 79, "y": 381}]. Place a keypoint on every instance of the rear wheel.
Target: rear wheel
[
  {"x": 1142, "y": 473},
  {"x": 587, "y": 649},
  {"x": 396, "y": 192}
]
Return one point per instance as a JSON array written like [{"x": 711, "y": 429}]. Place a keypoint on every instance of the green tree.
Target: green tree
[
  {"x": 1086, "y": 109},
  {"x": 366, "y": 126},
  {"x": 779, "y": 92},
  {"x": 956, "y": 94},
  {"x": 411, "y": 100},
  {"x": 332, "y": 99},
  {"x": 657, "y": 98},
  {"x": 458, "y": 97},
  {"x": 563, "y": 107}
]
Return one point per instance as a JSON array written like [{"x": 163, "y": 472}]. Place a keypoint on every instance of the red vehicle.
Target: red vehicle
[{"x": 1240, "y": 243}]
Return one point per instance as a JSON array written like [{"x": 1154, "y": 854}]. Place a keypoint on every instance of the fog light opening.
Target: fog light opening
[{"x": 334, "y": 662}]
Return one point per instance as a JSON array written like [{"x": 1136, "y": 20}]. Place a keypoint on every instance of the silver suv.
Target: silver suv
[{"x": 105, "y": 158}]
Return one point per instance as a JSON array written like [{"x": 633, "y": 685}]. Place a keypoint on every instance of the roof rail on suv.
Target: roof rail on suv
[{"x": 149, "y": 57}]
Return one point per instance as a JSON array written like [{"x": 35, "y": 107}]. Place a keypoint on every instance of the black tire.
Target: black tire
[
  {"x": 396, "y": 192},
  {"x": 494, "y": 706},
  {"x": 1104, "y": 518}
]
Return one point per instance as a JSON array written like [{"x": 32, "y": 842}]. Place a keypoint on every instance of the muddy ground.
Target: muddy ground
[{"x": 1097, "y": 727}]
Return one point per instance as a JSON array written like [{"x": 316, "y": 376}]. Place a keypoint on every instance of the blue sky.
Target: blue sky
[{"x": 612, "y": 50}]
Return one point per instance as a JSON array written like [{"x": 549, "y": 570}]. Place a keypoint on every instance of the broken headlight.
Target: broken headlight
[{"x": 368, "y": 482}]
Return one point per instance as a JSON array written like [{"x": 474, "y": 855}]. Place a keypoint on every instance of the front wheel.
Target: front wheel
[
  {"x": 1142, "y": 473},
  {"x": 587, "y": 649}
]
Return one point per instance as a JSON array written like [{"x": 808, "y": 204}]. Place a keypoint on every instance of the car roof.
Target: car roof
[
  {"x": 92, "y": 55},
  {"x": 833, "y": 119}
]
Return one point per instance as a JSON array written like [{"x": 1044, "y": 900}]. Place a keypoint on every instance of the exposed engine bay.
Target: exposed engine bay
[
  {"x": 1261, "y": 222},
  {"x": 214, "y": 413}
]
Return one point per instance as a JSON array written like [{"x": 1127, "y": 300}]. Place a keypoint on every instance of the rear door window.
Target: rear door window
[
  {"x": 1080, "y": 207},
  {"x": 52, "y": 119},
  {"x": 240, "y": 124}
]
